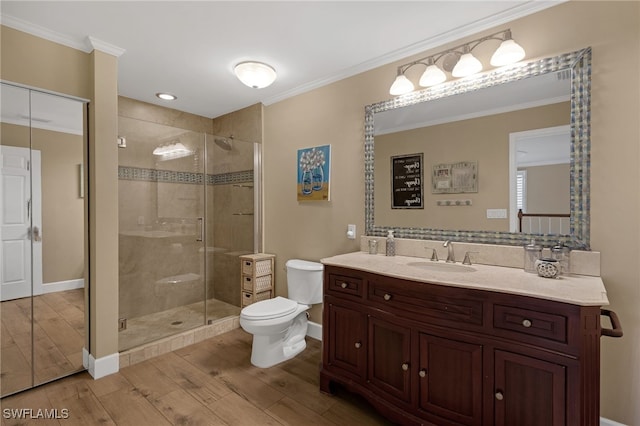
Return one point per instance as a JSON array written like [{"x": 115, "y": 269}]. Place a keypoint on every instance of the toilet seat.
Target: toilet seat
[{"x": 269, "y": 309}]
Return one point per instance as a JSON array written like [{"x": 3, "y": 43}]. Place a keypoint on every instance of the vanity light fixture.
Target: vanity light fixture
[
  {"x": 459, "y": 61},
  {"x": 255, "y": 74},
  {"x": 166, "y": 96}
]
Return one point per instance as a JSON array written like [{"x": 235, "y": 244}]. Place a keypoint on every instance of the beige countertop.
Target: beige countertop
[{"x": 580, "y": 290}]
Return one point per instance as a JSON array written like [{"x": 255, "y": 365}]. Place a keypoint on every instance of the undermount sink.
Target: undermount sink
[{"x": 441, "y": 267}]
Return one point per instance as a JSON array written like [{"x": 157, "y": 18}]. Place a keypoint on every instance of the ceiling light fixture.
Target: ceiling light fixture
[
  {"x": 166, "y": 96},
  {"x": 459, "y": 61},
  {"x": 255, "y": 74},
  {"x": 172, "y": 150}
]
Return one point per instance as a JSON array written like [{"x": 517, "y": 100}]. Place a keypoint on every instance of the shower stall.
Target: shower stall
[{"x": 188, "y": 208}]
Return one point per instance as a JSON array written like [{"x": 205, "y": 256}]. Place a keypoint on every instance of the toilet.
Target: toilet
[{"x": 279, "y": 325}]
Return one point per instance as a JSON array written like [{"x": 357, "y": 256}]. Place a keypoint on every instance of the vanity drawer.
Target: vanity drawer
[
  {"x": 522, "y": 323},
  {"x": 427, "y": 302},
  {"x": 344, "y": 285}
]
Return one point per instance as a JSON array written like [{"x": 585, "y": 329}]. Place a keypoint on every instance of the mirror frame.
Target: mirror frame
[{"x": 579, "y": 62}]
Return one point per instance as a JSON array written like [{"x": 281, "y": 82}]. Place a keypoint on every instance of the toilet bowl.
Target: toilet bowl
[{"x": 279, "y": 325}]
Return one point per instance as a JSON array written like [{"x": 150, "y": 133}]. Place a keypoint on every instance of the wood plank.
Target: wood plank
[
  {"x": 149, "y": 381},
  {"x": 181, "y": 408},
  {"x": 86, "y": 410},
  {"x": 292, "y": 412},
  {"x": 243, "y": 382},
  {"x": 235, "y": 410},
  {"x": 131, "y": 408},
  {"x": 199, "y": 384}
]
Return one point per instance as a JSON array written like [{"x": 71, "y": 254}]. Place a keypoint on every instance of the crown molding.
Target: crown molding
[
  {"x": 42, "y": 32},
  {"x": 421, "y": 47},
  {"x": 96, "y": 44},
  {"x": 87, "y": 45}
]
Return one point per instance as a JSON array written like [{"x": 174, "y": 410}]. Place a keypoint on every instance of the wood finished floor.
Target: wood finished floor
[
  {"x": 58, "y": 330},
  {"x": 208, "y": 383}
]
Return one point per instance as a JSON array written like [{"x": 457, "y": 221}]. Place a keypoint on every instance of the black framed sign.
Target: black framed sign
[{"x": 406, "y": 182}]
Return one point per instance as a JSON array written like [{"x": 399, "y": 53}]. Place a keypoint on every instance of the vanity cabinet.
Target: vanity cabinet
[{"x": 425, "y": 353}]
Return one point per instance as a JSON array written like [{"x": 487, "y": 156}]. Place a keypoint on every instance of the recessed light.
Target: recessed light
[{"x": 166, "y": 96}]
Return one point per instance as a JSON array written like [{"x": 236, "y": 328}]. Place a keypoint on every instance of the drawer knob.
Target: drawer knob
[
  {"x": 422, "y": 373},
  {"x": 344, "y": 285},
  {"x": 499, "y": 396},
  {"x": 387, "y": 296},
  {"x": 405, "y": 366},
  {"x": 358, "y": 345},
  {"x": 526, "y": 323}
]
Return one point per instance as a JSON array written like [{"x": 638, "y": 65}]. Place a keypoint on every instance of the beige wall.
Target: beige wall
[
  {"x": 484, "y": 140},
  {"x": 334, "y": 115}
]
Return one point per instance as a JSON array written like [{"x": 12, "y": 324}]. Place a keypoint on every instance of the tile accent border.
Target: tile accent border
[{"x": 169, "y": 176}]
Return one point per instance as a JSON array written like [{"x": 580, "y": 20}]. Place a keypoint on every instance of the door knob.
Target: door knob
[
  {"x": 344, "y": 285},
  {"x": 387, "y": 296},
  {"x": 36, "y": 234},
  {"x": 405, "y": 366},
  {"x": 358, "y": 345},
  {"x": 526, "y": 323},
  {"x": 499, "y": 396},
  {"x": 422, "y": 373}
]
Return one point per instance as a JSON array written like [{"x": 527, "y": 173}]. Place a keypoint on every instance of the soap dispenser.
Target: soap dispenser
[{"x": 391, "y": 244}]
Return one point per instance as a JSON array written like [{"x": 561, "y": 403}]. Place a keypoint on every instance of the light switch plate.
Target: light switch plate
[
  {"x": 496, "y": 213},
  {"x": 351, "y": 232}
]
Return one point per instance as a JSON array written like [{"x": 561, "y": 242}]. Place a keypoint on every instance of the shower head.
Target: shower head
[{"x": 224, "y": 143}]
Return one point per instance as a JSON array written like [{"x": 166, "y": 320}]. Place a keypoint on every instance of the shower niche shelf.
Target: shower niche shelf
[{"x": 257, "y": 277}]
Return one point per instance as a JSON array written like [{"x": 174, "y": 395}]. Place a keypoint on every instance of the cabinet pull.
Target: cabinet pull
[
  {"x": 344, "y": 285},
  {"x": 422, "y": 373},
  {"x": 358, "y": 345},
  {"x": 387, "y": 296},
  {"x": 499, "y": 396},
  {"x": 405, "y": 366},
  {"x": 526, "y": 323}
]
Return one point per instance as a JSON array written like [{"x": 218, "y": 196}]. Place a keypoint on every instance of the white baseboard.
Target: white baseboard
[
  {"x": 314, "y": 330},
  {"x": 62, "y": 285},
  {"x": 100, "y": 367},
  {"x": 607, "y": 422}
]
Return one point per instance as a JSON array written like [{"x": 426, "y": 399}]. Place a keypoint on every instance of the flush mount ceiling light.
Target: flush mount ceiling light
[
  {"x": 459, "y": 61},
  {"x": 166, "y": 96},
  {"x": 255, "y": 74}
]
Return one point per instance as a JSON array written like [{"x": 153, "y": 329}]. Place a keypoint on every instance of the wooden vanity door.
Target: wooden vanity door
[
  {"x": 450, "y": 379},
  {"x": 389, "y": 358},
  {"x": 528, "y": 391},
  {"x": 346, "y": 340}
]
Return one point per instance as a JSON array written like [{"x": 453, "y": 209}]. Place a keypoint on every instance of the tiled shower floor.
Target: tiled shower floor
[{"x": 155, "y": 326}]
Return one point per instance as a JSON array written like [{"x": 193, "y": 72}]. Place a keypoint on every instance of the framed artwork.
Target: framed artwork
[
  {"x": 314, "y": 166},
  {"x": 455, "y": 178},
  {"x": 406, "y": 182}
]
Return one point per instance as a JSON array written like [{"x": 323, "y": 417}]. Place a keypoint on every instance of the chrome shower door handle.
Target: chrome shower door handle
[{"x": 200, "y": 230}]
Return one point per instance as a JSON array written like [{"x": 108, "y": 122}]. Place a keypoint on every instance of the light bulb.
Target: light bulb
[
  {"x": 432, "y": 75},
  {"x": 401, "y": 85},
  {"x": 467, "y": 65},
  {"x": 509, "y": 52}
]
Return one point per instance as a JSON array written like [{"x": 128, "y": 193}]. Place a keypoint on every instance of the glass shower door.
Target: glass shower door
[
  {"x": 232, "y": 231},
  {"x": 162, "y": 231}
]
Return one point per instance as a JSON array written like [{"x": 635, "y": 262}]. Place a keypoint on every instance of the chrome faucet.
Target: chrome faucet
[{"x": 451, "y": 258}]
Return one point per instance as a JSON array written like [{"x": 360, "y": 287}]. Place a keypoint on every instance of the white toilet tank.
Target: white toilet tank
[{"x": 304, "y": 281}]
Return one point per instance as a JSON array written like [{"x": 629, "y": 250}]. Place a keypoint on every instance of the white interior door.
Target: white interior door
[{"x": 20, "y": 223}]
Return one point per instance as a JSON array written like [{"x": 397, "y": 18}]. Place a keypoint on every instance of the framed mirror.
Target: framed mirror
[{"x": 532, "y": 98}]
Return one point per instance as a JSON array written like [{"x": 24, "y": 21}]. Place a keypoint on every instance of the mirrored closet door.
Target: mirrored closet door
[{"x": 42, "y": 230}]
